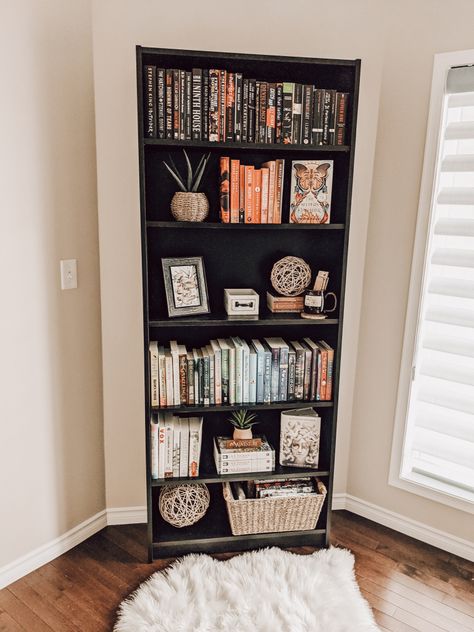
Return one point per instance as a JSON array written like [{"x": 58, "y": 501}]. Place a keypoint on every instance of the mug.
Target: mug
[{"x": 314, "y": 302}]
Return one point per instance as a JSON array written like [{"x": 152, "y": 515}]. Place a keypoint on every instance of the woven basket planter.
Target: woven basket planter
[
  {"x": 189, "y": 207},
  {"x": 271, "y": 515}
]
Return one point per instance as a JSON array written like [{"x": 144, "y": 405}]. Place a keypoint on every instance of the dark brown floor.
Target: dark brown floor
[{"x": 410, "y": 585}]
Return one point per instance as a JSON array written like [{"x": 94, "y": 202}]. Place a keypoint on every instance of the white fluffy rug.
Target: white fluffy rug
[{"x": 268, "y": 590}]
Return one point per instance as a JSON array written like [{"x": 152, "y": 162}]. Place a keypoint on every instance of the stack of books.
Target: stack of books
[
  {"x": 240, "y": 460},
  {"x": 281, "y": 487},
  {"x": 218, "y": 105},
  {"x": 175, "y": 446},
  {"x": 234, "y": 371},
  {"x": 249, "y": 195}
]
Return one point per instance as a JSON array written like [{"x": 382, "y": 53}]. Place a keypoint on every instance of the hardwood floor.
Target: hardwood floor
[{"x": 409, "y": 585}]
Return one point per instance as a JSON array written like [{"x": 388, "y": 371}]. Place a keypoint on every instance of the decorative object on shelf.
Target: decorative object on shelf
[
  {"x": 315, "y": 299},
  {"x": 300, "y": 433},
  {"x": 185, "y": 286},
  {"x": 183, "y": 505},
  {"x": 243, "y": 420},
  {"x": 311, "y": 188},
  {"x": 284, "y": 304},
  {"x": 290, "y": 276},
  {"x": 189, "y": 205},
  {"x": 240, "y": 302}
]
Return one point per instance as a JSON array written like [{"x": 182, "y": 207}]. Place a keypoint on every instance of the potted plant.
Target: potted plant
[
  {"x": 188, "y": 204},
  {"x": 242, "y": 420}
]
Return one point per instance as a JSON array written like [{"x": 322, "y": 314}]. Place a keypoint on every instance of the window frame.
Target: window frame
[{"x": 419, "y": 484}]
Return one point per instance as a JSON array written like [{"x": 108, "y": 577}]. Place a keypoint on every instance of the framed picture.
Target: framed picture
[
  {"x": 311, "y": 188},
  {"x": 185, "y": 286}
]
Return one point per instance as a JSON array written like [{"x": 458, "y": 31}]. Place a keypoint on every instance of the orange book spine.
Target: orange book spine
[
  {"x": 278, "y": 191},
  {"x": 324, "y": 374},
  {"x": 242, "y": 195},
  {"x": 249, "y": 194},
  {"x": 225, "y": 189},
  {"x": 257, "y": 198},
  {"x": 234, "y": 191},
  {"x": 264, "y": 195},
  {"x": 271, "y": 189}
]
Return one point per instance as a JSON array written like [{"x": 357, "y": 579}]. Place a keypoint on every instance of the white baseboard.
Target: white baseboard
[
  {"x": 126, "y": 515},
  {"x": 44, "y": 554},
  {"x": 413, "y": 528}
]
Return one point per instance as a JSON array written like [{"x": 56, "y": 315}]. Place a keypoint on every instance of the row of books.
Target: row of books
[
  {"x": 249, "y": 195},
  {"x": 217, "y": 105},
  {"x": 234, "y": 371},
  {"x": 175, "y": 446},
  {"x": 260, "y": 458}
]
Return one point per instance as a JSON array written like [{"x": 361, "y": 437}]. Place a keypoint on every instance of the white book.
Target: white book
[
  {"x": 245, "y": 372},
  {"x": 169, "y": 378},
  {"x": 253, "y": 376},
  {"x": 174, "y": 349},
  {"x": 176, "y": 447},
  {"x": 239, "y": 362},
  {"x": 154, "y": 447},
  {"x": 184, "y": 446},
  {"x": 257, "y": 345},
  {"x": 162, "y": 375},
  {"x": 232, "y": 399},
  {"x": 161, "y": 446},
  {"x": 300, "y": 432},
  {"x": 217, "y": 371},
  {"x": 195, "y": 434},
  {"x": 168, "y": 445},
  {"x": 212, "y": 376},
  {"x": 274, "y": 346},
  {"x": 225, "y": 350},
  {"x": 154, "y": 375}
]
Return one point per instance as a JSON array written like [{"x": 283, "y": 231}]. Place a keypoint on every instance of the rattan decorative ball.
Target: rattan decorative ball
[
  {"x": 290, "y": 276},
  {"x": 183, "y": 505}
]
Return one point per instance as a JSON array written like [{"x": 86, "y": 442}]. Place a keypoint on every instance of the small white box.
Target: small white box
[{"x": 241, "y": 302}]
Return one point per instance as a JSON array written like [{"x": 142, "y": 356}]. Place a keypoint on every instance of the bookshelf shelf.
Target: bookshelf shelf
[{"x": 241, "y": 255}]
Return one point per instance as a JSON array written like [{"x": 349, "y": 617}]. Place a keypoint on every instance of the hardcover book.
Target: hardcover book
[
  {"x": 300, "y": 432},
  {"x": 311, "y": 188}
]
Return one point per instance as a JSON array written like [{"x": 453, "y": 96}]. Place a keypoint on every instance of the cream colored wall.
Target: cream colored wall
[
  {"x": 416, "y": 31},
  {"x": 258, "y": 27},
  {"x": 51, "y": 438}
]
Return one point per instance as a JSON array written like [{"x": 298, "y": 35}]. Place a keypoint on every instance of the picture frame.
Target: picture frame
[{"x": 185, "y": 286}]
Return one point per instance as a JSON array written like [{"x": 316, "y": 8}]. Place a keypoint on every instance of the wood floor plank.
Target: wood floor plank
[
  {"x": 43, "y": 608},
  {"x": 21, "y": 613},
  {"x": 391, "y": 624},
  {"x": 8, "y": 624}
]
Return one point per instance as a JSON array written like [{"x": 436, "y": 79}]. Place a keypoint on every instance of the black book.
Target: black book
[
  {"x": 271, "y": 114},
  {"x": 230, "y": 106},
  {"x": 187, "y": 106},
  {"x": 196, "y": 118},
  {"x": 256, "y": 133},
  {"x": 287, "y": 121},
  {"x": 329, "y": 117},
  {"x": 251, "y": 112},
  {"x": 307, "y": 112},
  {"x": 245, "y": 110},
  {"x": 317, "y": 125},
  {"x": 279, "y": 113},
  {"x": 182, "y": 104},
  {"x": 169, "y": 104},
  {"x": 161, "y": 91},
  {"x": 176, "y": 104},
  {"x": 341, "y": 115},
  {"x": 238, "y": 107},
  {"x": 222, "y": 104},
  {"x": 297, "y": 113},
  {"x": 214, "y": 105},
  {"x": 150, "y": 102},
  {"x": 205, "y": 104},
  {"x": 262, "y": 121}
]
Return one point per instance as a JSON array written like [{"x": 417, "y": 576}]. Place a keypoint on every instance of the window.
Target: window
[{"x": 433, "y": 448}]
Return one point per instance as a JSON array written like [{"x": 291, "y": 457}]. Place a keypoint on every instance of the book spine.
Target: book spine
[
  {"x": 260, "y": 372},
  {"x": 330, "y": 374},
  {"x": 307, "y": 375},
  {"x": 162, "y": 378},
  {"x": 341, "y": 115},
  {"x": 154, "y": 449},
  {"x": 225, "y": 375},
  {"x": 279, "y": 113},
  {"x": 206, "y": 381},
  {"x": 183, "y": 379},
  {"x": 161, "y": 98},
  {"x": 169, "y": 449},
  {"x": 328, "y": 116},
  {"x": 232, "y": 389},
  {"x": 271, "y": 190},
  {"x": 297, "y": 113},
  {"x": 291, "y": 375},
  {"x": 234, "y": 191},
  {"x": 307, "y": 112},
  {"x": 161, "y": 447},
  {"x": 154, "y": 375},
  {"x": 184, "y": 447},
  {"x": 238, "y": 108},
  {"x": 169, "y": 104},
  {"x": 264, "y": 195},
  {"x": 246, "y": 376},
  {"x": 267, "y": 378},
  {"x": 280, "y": 167},
  {"x": 169, "y": 381},
  {"x": 196, "y": 125},
  {"x": 257, "y": 111},
  {"x": 194, "y": 448},
  {"x": 176, "y": 388},
  {"x": 262, "y": 120},
  {"x": 271, "y": 114},
  {"x": 214, "y": 105},
  {"x": 332, "y": 119},
  {"x": 176, "y": 448},
  {"x": 283, "y": 373},
  {"x": 299, "y": 375},
  {"x": 150, "y": 102},
  {"x": 230, "y": 107},
  {"x": 222, "y": 104},
  {"x": 218, "y": 376},
  {"x": 287, "y": 122},
  {"x": 182, "y": 104},
  {"x": 205, "y": 104},
  {"x": 275, "y": 387},
  {"x": 201, "y": 380},
  {"x": 251, "y": 110},
  {"x": 212, "y": 380},
  {"x": 245, "y": 110},
  {"x": 176, "y": 104},
  {"x": 197, "y": 382},
  {"x": 190, "y": 368},
  {"x": 257, "y": 197},
  {"x": 315, "y": 375},
  {"x": 249, "y": 193},
  {"x": 225, "y": 189},
  {"x": 188, "y": 107},
  {"x": 318, "y": 108},
  {"x": 238, "y": 375},
  {"x": 324, "y": 374},
  {"x": 242, "y": 194}
]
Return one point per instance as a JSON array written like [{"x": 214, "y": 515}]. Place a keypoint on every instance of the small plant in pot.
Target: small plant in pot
[
  {"x": 188, "y": 204},
  {"x": 243, "y": 420}
]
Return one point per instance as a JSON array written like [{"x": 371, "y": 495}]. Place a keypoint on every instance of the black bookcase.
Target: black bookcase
[{"x": 241, "y": 255}]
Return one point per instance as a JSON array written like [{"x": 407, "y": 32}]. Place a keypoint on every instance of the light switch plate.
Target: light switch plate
[{"x": 68, "y": 274}]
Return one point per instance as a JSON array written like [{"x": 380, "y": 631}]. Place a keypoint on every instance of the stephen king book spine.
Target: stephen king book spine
[
  {"x": 230, "y": 107},
  {"x": 238, "y": 108},
  {"x": 297, "y": 113},
  {"x": 187, "y": 105},
  {"x": 205, "y": 104},
  {"x": 242, "y": 194},
  {"x": 182, "y": 104},
  {"x": 245, "y": 110},
  {"x": 329, "y": 116},
  {"x": 271, "y": 114},
  {"x": 161, "y": 98},
  {"x": 222, "y": 104},
  {"x": 262, "y": 122},
  {"x": 196, "y": 125},
  {"x": 307, "y": 111},
  {"x": 214, "y": 105},
  {"x": 249, "y": 194},
  {"x": 251, "y": 112},
  {"x": 169, "y": 104},
  {"x": 318, "y": 109},
  {"x": 279, "y": 113},
  {"x": 150, "y": 102},
  {"x": 287, "y": 122},
  {"x": 341, "y": 115},
  {"x": 176, "y": 104}
]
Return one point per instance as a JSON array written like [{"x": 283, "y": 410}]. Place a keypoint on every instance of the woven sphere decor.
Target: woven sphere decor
[
  {"x": 290, "y": 276},
  {"x": 183, "y": 505}
]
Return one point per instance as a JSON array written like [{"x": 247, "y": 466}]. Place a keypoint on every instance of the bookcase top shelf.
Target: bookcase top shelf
[
  {"x": 278, "y": 148},
  {"x": 220, "y": 225},
  {"x": 211, "y": 320},
  {"x": 193, "y": 410}
]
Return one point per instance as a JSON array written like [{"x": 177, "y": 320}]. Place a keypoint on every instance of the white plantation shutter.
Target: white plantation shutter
[{"x": 439, "y": 439}]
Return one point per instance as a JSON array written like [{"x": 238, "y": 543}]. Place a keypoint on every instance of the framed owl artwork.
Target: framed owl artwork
[{"x": 311, "y": 188}]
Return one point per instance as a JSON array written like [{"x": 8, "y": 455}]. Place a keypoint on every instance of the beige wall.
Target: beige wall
[
  {"x": 416, "y": 31},
  {"x": 51, "y": 438}
]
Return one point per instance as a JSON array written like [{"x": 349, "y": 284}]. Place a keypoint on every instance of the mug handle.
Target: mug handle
[{"x": 335, "y": 302}]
